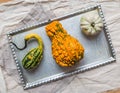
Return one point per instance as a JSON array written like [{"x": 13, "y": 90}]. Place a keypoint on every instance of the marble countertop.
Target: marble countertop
[{"x": 17, "y": 13}]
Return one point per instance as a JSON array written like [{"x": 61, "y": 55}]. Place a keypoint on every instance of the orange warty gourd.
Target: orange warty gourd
[{"x": 66, "y": 50}]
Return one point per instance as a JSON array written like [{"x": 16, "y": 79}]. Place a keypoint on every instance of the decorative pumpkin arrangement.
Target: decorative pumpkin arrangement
[
  {"x": 91, "y": 23},
  {"x": 66, "y": 50},
  {"x": 33, "y": 58}
]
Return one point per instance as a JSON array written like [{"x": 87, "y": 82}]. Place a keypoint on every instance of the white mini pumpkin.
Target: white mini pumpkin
[{"x": 91, "y": 23}]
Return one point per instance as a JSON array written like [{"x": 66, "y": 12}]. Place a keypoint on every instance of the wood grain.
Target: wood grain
[
  {"x": 3, "y": 1},
  {"x": 113, "y": 91}
]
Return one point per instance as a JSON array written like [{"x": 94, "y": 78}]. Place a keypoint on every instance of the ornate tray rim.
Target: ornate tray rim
[{"x": 34, "y": 84}]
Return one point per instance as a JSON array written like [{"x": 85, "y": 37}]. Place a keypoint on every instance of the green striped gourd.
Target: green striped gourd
[{"x": 33, "y": 58}]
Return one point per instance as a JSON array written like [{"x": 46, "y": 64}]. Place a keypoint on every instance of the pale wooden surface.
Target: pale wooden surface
[
  {"x": 113, "y": 91},
  {"x": 4, "y": 1}
]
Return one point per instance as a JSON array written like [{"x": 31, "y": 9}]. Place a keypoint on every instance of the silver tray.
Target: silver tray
[{"x": 98, "y": 50}]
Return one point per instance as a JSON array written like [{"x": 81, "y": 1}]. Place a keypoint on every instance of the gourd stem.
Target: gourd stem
[
  {"x": 28, "y": 37},
  {"x": 93, "y": 24},
  {"x": 20, "y": 48},
  {"x": 49, "y": 20}
]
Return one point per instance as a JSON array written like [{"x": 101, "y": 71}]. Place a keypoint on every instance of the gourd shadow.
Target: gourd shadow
[
  {"x": 34, "y": 70},
  {"x": 90, "y": 37},
  {"x": 71, "y": 68}
]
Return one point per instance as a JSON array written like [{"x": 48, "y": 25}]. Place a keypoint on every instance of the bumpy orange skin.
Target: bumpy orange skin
[{"x": 66, "y": 50}]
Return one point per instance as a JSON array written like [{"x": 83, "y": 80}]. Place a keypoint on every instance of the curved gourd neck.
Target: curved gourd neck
[{"x": 37, "y": 37}]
